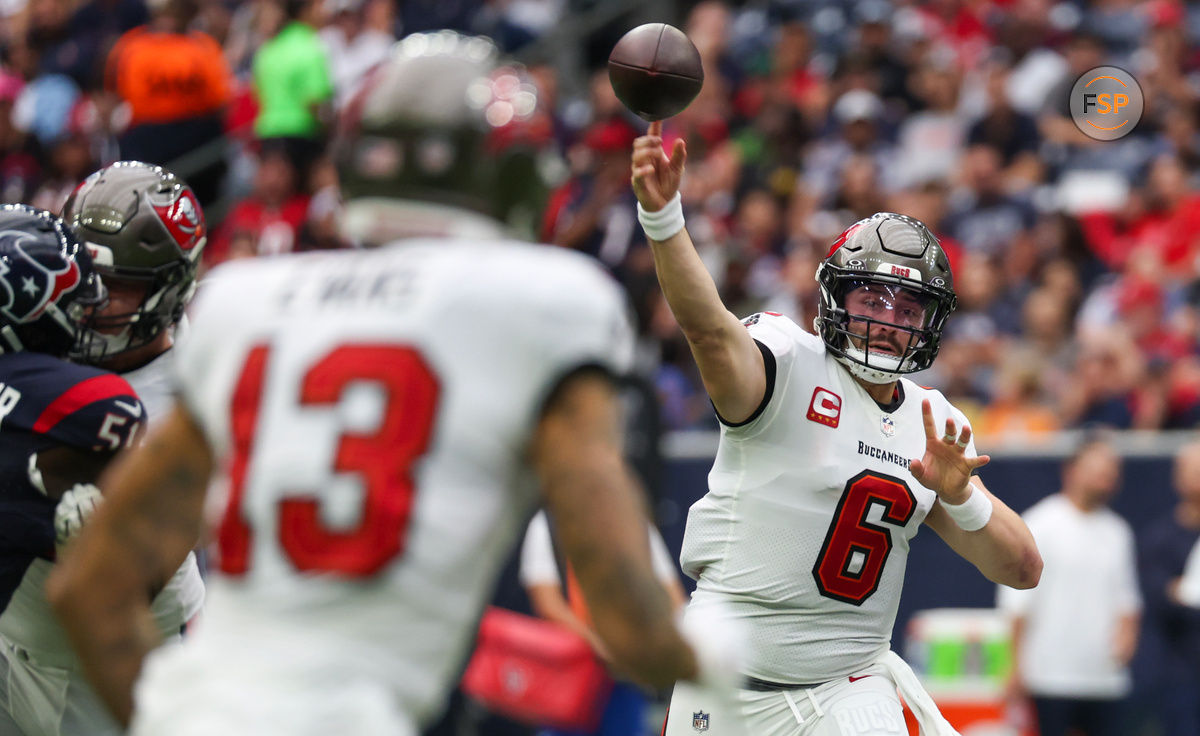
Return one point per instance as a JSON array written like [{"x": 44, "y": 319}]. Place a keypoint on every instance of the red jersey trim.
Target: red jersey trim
[{"x": 96, "y": 388}]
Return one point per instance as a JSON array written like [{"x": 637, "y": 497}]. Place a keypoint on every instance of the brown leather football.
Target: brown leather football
[{"x": 655, "y": 71}]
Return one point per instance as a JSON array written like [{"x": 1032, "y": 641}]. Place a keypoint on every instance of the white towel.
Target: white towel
[{"x": 931, "y": 720}]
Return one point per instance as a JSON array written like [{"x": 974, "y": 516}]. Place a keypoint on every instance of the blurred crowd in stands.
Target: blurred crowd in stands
[{"x": 1077, "y": 262}]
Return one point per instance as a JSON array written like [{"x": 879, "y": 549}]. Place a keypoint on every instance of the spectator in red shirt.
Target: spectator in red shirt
[
  {"x": 1141, "y": 306},
  {"x": 1164, "y": 218},
  {"x": 266, "y": 222},
  {"x": 957, "y": 25}
]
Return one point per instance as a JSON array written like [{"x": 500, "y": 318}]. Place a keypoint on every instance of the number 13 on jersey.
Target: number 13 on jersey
[{"x": 382, "y": 459}]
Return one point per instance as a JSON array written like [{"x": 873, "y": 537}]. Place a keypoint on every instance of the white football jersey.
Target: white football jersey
[
  {"x": 155, "y": 385},
  {"x": 183, "y": 596},
  {"x": 372, "y": 411},
  {"x": 805, "y": 530}
]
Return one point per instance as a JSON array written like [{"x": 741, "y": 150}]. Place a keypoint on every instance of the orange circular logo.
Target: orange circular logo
[{"x": 1106, "y": 103}]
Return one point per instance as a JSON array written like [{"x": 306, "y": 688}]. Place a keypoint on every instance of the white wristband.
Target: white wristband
[
  {"x": 973, "y": 514},
  {"x": 664, "y": 223}
]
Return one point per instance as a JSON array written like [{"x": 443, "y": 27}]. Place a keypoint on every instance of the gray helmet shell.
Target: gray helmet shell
[{"x": 442, "y": 121}]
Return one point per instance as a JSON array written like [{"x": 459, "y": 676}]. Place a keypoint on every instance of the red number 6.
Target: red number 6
[{"x": 852, "y": 539}]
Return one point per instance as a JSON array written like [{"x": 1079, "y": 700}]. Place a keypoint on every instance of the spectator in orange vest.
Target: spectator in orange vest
[{"x": 176, "y": 84}]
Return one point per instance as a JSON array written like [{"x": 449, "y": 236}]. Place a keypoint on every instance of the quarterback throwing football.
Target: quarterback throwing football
[{"x": 829, "y": 461}]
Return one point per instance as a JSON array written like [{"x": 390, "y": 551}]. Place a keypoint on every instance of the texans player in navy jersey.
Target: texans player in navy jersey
[
  {"x": 60, "y": 423},
  {"x": 143, "y": 233}
]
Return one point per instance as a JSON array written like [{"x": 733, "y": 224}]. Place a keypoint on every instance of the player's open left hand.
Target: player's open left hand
[
  {"x": 655, "y": 176},
  {"x": 945, "y": 467}
]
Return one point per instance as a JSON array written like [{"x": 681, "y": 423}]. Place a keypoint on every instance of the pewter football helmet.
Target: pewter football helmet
[{"x": 909, "y": 289}]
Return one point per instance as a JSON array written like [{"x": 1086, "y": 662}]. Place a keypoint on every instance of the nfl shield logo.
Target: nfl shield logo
[
  {"x": 700, "y": 721},
  {"x": 887, "y": 426}
]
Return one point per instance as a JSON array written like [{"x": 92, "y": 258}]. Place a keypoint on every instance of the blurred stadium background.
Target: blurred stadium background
[{"x": 1077, "y": 262}]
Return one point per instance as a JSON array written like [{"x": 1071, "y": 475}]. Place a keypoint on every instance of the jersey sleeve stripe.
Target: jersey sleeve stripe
[
  {"x": 769, "y": 367},
  {"x": 96, "y": 388}
]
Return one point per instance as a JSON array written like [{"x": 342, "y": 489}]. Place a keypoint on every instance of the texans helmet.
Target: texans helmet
[
  {"x": 48, "y": 286},
  {"x": 141, "y": 224},
  {"x": 895, "y": 259}
]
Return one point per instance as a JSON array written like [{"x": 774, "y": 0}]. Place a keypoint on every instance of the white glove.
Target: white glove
[
  {"x": 719, "y": 640},
  {"x": 76, "y": 505}
]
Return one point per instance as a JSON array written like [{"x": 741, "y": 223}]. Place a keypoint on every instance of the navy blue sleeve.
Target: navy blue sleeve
[
  {"x": 48, "y": 403},
  {"x": 68, "y": 405}
]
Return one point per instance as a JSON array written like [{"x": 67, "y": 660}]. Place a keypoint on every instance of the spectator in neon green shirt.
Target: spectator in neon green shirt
[{"x": 293, "y": 83}]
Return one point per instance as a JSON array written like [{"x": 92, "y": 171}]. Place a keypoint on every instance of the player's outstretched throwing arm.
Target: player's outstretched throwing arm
[
  {"x": 131, "y": 546},
  {"x": 729, "y": 361},
  {"x": 594, "y": 504},
  {"x": 977, "y": 525}
]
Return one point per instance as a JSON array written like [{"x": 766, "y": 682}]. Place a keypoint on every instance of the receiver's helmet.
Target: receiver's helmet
[
  {"x": 48, "y": 287},
  {"x": 886, "y": 291},
  {"x": 443, "y": 122},
  {"x": 141, "y": 224}
]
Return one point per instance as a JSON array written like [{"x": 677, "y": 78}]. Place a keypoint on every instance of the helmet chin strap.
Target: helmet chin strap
[
  {"x": 882, "y": 368},
  {"x": 11, "y": 340},
  {"x": 101, "y": 346}
]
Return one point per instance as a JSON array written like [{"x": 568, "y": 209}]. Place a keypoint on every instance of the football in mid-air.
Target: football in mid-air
[{"x": 655, "y": 71}]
